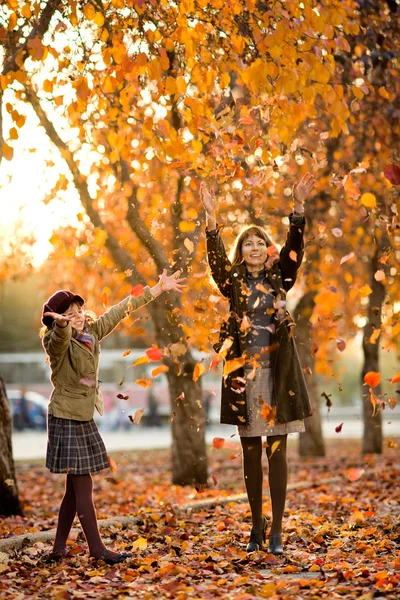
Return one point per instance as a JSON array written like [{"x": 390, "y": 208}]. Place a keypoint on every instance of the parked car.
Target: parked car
[{"x": 28, "y": 409}]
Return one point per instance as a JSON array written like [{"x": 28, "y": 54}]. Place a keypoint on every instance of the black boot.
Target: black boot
[
  {"x": 257, "y": 538},
  {"x": 275, "y": 543}
]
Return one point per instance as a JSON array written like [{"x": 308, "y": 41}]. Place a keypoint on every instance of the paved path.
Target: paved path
[{"x": 32, "y": 444}]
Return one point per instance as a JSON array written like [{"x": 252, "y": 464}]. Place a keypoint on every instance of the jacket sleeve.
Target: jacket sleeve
[
  {"x": 56, "y": 341},
  {"x": 219, "y": 262},
  {"x": 292, "y": 253},
  {"x": 110, "y": 319}
]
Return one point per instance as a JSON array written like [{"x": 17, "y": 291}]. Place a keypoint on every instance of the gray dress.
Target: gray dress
[{"x": 258, "y": 370}]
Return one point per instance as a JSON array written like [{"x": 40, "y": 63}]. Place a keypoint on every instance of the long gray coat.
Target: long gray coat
[{"x": 290, "y": 393}]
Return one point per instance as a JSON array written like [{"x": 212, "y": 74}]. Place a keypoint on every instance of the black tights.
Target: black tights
[
  {"x": 78, "y": 498},
  {"x": 277, "y": 476}
]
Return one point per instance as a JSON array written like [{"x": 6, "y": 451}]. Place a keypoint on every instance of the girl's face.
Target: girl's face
[
  {"x": 76, "y": 316},
  {"x": 254, "y": 252}
]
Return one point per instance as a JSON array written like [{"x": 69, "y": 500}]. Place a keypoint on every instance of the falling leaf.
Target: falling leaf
[
  {"x": 375, "y": 401},
  {"x": 188, "y": 245},
  {"x": 245, "y": 325},
  {"x": 368, "y": 200},
  {"x": 177, "y": 349},
  {"x": 233, "y": 365},
  {"x": 126, "y": 353},
  {"x": 374, "y": 336},
  {"x": 340, "y": 344},
  {"x": 274, "y": 447},
  {"x": 372, "y": 378},
  {"x": 9, "y": 482},
  {"x": 104, "y": 299},
  {"x": 351, "y": 188},
  {"x": 392, "y": 402},
  {"x": 395, "y": 378},
  {"x": 121, "y": 381},
  {"x": 154, "y": 353},
  {"x": 143, "y": 382},
  {"x": 346, "y": 258},
  {"x": 140, "y": 544},
  {"x": 227, "y": 343},
  {"x": 142, "y": 360},
  {"x": 338, "y": 428},
  {"x": 293, "y": 255},
  {"x": 268, "y": 413},
  {"x": 198, "y": 371},
  {"x": 353, "y": 474},
  {"x": 137, "y": 417},
  {"x": 158, "y": 370},
  {"x": 392, "y": 173},
  {"x": 122, "y": 397},
  {"x": 337, "y": 232},
  {"x": 113, "y": 464},
  {"x": 218, "y": 443},
  {"x": 137, "y": 291}
]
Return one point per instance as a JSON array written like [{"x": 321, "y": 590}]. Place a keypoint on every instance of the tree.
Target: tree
[{"x": 9, "y": 501}]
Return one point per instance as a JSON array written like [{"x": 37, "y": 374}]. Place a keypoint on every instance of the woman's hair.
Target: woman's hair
[{"x": 236, "y": 252}]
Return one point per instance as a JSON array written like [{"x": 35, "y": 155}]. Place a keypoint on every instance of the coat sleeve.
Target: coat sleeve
[
  {"x": 110, "y": 319},
  {"x": 292, "y": 253},
  {"x": 219, "y": 262},
  {"x": 56, "y": 341}
]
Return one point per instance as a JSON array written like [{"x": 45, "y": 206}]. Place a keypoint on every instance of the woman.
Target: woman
[{"x": 265, "y": 394}]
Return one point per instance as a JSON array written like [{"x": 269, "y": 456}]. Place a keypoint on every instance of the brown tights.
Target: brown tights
[
  {"x": 78, "y": 498},
  {"x": 277, "y": 476}
]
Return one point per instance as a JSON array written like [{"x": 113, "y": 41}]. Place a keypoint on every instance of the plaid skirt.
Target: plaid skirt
[
  {"x": 258, "y": 392},
  {"x": 74, "y": 447}
]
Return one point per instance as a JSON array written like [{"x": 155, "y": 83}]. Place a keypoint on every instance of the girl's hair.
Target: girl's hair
[
  {"x": 236, "y": 253},
  {"x": 90, "y": 318}
]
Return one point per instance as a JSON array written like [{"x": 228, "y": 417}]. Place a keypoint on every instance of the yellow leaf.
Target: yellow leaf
[
  {"x": 140, "y": 544},
  {"x": 321, "y": 74},
  {"x": 187, "y": 226},
  {"x": 89, "y": 12},
  {"x": 126, "y": 353},
  {"x": 197, "y": 146},
  {"x": 99, "y": 19},
  {"x": 233, "y": 365},
  {"x": 358, "y": 92},
  {"x": 170, "y": 86},
  {"x": 158, "y": 370},
  {"x": 8, "y": 152},
  {"x": 374, "y": 336},
  {"x": 141, "y": 361},
  {"x": 137, "y": 417},
  {"x": 224, "y": 80},
  {"x": 47, "y": 86},
  {"x": 384, "y": 93},
  {"x": 368, "y": 200},
  {"x": 365, "y": 290},
  {"x": 198, "y": 371}
]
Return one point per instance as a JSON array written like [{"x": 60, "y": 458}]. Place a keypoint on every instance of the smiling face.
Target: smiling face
[
  {"x": 76, "y": 315},
  {"x": 254, "y": 252}
]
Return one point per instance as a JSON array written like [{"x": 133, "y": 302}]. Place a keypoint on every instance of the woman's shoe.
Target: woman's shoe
[
  {"x": 257, "y": 538},
  {"x": 108, "y": 557},
  {"x": 275, "y": 543},
  {"x": 54, "y": 556}
]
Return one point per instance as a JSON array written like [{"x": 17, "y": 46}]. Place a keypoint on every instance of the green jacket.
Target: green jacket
[{"x": 73, "y": 366}]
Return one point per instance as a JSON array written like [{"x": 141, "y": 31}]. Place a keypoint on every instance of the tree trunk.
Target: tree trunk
[
  {"x": 9, "y": 501},
  {"x": 311, "y": 442},
  {"x": 373, "y": 439}
]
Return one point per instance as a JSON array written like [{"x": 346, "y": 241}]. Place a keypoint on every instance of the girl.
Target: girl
[
  {"x": 266, "y": 395},
  {"x": 71, "y": 341}
]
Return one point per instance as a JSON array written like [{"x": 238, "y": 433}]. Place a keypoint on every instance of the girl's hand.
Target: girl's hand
[
  {"x": 208, "y": 199},
  {"x": 61, "y": 320},
  {"x": 302, "y": 191},
  {"x": 168, "y": 283}
]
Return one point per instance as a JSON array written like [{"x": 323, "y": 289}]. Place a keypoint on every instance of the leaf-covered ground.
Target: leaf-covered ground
[{"x": 341, "y": 538}]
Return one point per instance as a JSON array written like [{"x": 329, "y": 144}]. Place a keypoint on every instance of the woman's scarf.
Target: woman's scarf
[{"x": 86, "y": 339}]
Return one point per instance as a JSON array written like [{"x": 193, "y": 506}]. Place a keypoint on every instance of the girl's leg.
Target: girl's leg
[
  {"x": 66, "y": 517},
  {"x": 278, "y": 475},
  {"x": 253, "y": 478},
  {"x": 83, "y": 485}
]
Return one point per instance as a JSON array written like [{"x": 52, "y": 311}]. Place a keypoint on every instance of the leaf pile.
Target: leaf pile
[{"x": 340, "y": 536}]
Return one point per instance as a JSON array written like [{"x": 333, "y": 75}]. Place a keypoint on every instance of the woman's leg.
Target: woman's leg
[
  {"x": 83, "y": 485},
  {"x": 66, "y": 517},
  {"x": 253, "y": 477},
  {"x": 278, "y": 475}
]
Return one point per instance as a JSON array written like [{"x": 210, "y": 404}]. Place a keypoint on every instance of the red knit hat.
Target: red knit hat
[{"x": 59, "y": 303}]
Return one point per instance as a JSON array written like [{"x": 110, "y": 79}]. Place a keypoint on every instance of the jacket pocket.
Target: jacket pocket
[{"x": 73, "y": 393}]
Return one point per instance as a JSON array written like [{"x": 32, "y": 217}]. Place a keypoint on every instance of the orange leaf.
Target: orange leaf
[
  {"x": 126, "y": 353},
  {"x": 395, "y": 378},
  {"x": 141, "y": 361},
  {"x": 113, "y": 464},
  {"x": 372, "y": 378},
  {"x": 158, "y": 370},
  {"x": 218, "y": 443},
  {"x": 268, "y": 413},
  {"x": 104, "y": 299},
  {"x": 353, "y": 474},
  {"x": 137, "y": 417},
  {"x": 143, "y": 382},
  {"x": 154, "y": 353},
  {"x": 233, "y": 365},
  {"x": 198, "y": 371},
  {"x": 293, "y": 255}
]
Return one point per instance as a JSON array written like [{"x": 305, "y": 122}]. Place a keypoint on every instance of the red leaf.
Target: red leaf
[
  {"x": 338, "y": 429},
  {"x": 392, "y": 173},
  {"x": 372, "y": 378},
  {"x": 137, "y": 290},
  {"x": 154, "y": 353},
  {"x": 218, "y": 442}
]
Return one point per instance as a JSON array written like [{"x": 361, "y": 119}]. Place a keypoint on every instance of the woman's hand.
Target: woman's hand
[
  {"x": 302, "y": 191},
  {"x": 61, "y": 320},
  {"x": 168, "y": 283},
  {"x": 209, "y": 202}
]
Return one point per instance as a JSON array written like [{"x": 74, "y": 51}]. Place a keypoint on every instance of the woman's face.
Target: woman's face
[
  {"x": 254, "y": 252},
  {"x": 76, "y": 316}
]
